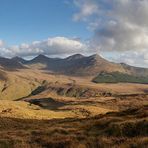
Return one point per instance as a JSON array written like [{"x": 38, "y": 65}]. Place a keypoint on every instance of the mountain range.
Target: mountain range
[{"x": 77, "y": 65}]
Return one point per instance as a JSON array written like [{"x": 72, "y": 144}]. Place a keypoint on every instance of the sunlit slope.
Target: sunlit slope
[
  {"x": 15, "y": 87},
  {"x": 24, "y": 110},
  {"x": 21, "y": 83}
]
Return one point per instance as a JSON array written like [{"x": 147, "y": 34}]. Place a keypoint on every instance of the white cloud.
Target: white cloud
[
  {"x": 118, "y": 25},
  {"x": 51, "y": 46},
  {"x": 86, "y": 7},
  {"x": 134, "y": 58},
  {"x": 2, "y": 43}
]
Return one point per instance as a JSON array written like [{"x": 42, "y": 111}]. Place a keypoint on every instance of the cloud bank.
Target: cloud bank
[
  {"x": 51, "y": 46},
  {"x": 118, "y": 25}
]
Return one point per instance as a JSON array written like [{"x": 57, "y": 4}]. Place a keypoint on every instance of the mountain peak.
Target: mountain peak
[
  {"x": 18, "y": 59},
  {"x": 96, "y": 56},
  {"x": 75, "y": 57},
  {"x": 41, "y": 57}
]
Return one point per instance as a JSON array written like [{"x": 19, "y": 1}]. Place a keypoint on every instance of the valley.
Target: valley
[
  {"x": 69, "y": 104},
  {"x": 73, "y": 73}
]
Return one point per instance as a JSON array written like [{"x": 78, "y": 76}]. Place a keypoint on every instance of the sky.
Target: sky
[
  {"x": 29, "y": 20},
  {"x": 115, "y": 29}
]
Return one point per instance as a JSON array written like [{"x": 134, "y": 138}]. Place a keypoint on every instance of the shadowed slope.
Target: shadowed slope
[
  {"x": 19, "y": 59},
  {"x": 10, "y": 64},
  {"x": 80, "y": 65}
]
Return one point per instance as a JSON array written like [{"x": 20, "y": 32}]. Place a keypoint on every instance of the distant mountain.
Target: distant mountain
[
  {"x": 40, "y": 59},
  {"x": 80, "y": 65},
  {"x": 19, "y": 59},
  {"x": 135, "y": 70},
  {"x": 10, "y": 63},
  {"x": 44, "y": 62},
  {"x": 74, "y": 57},
  {"x": 76, "y": 65}
]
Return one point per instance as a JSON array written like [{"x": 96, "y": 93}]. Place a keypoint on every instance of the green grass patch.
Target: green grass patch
[{"x": 117, "y": 77}]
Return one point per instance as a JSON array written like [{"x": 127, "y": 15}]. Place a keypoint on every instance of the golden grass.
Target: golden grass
[
  {"x": 124, "y": 129},
  {"x": 23, "y": 110},
  {"x": 86, "y": 110},
  {"x": 22, "y": 82},
  {"x": 40, "y": 127}
]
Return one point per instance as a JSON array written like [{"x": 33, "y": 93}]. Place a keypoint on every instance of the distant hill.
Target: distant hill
[
  {"x": 19, "y": 59},
  {"x": 79, "y": 65},
  {"x": 10, "y": 63},
  {"x": 117, "y": 77}
]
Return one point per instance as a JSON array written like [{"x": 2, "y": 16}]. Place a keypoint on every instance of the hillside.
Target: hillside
[
  {"x": 115, "y": 129},
  {"x": 117, "y": 77},
  {"x": 59, "y": 94},
  {"x": 22, "y": 82},
  {"x": 19, "y": 59},
  {"x": 79, "y": 65},
  {"x": 10, "y": 64}
]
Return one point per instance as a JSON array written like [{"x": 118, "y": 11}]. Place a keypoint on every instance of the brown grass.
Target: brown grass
[
  {"x": 68, "y": 112},
  {"x": 122, "y": 129},
  {"x": 22, "y": 82}
]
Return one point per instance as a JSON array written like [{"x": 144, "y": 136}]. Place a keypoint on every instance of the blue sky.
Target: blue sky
[{"x": 23, "y": 21}]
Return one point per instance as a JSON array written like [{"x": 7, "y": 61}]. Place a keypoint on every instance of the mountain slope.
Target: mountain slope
[
  {"x": 10, "y": 63},
  {"x": 80, "y": 65},
  {"x": 117, "y": 77},
  {"x": 76, "y": 64},
  {"x": 135, "y": 70},
  {"x": 19, "y": 59}
]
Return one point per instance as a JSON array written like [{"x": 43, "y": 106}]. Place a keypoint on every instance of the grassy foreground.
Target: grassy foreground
[{"x": 115, "y": 129}]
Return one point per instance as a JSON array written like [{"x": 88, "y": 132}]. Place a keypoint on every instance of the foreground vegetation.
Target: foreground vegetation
[
  {"x": 62, "y": 112},
  {"x": 117, "y": 77},
  {"x": 115, "y": 129}
]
